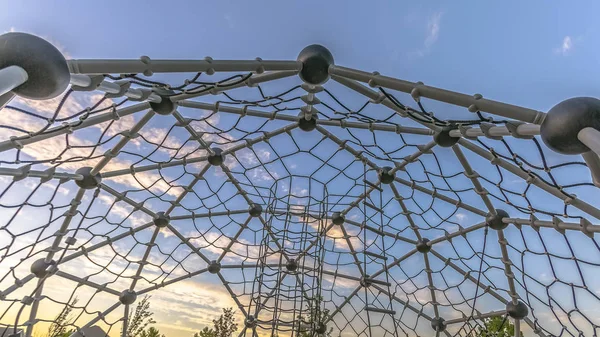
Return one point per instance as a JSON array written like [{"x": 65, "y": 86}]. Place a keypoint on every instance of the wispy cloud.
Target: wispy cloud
[
  {"x": 433, "y": 29},
  {"x": 230, "y": 21},
  {"x": 461, "y": 217},
  {"x": 431, "y": 36},
  {"x": 565, "y": 47}
]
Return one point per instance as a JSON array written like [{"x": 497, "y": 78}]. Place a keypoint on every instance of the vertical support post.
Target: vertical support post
[
  {"x": 34, "y": 308},
  {"x": 57, "y": 240},
  {"x": 125, "y": 320},
  {"x": 517, "y": 325}
]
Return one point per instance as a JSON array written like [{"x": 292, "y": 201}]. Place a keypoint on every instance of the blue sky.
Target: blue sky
[{"x": 534, "y": 54}]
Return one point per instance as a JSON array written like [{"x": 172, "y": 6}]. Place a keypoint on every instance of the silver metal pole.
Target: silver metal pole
[
  {"x": 108, "y": 87},
  {"x": 148, "y": 66},
  {"x": 252, "y": 81},
  {"x": 100, "y": 315},
  {"x": 281, "y": 116},
  {"x": 99, "y": 287},
  {"x": 22, "y": 173},
  {"x": 523, "y": 130},
  {"x": 495, "y": 313},
  {"x": 591, "y": 138},
  {"x": 577, "y": 203},
  {"x": 473, "y": 103},
  {"x": 5, "y": 99},
  {"x": 11, "y": 77},
  {"x": 584, "y": 225},
  {"x": 592, "y": 160},
  {"x": 60, "y": 130}
]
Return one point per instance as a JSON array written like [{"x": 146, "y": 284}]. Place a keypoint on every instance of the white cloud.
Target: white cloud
[
  {"x": 566, "y": 46},
  {"x": 124, "y": 211},
  {"x": 58, "y": 46},
  {"x": 461, "y": 217},
  {"x": 80, "y": 147},
  {"x": 433, "y": 29},
  {"x": 431, "y": 36}
]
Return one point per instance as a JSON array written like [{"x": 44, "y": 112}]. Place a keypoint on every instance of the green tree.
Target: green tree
[
  {"x": 224, "y": 326},
  {"x": 151, "y": 332},
  {"x": 58, "y": 328},
  {"x": 140, "y": 319},
  {"x": 315, "y": 317},
  {"x": 206, "y": 332},
  {"x": 496, "y": 327}
]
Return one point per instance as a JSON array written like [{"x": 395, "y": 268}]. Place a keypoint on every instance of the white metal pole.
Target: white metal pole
[
  {"x": 473, "y": 103},
  {"x": 498, "y": 131},
  {"x": 5, "y": 99},
  {"x": 11, "y": 77},
  {"x": 146, "y": 65},
  {"x": 592, "y": 160},
  {"x": 591, "y": 138}
]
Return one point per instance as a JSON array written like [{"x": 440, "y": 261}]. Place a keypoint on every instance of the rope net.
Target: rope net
[{"x": 312, "y": 210}]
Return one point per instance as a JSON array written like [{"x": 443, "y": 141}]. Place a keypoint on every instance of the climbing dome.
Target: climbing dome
[{"x": 318, "y": 200}]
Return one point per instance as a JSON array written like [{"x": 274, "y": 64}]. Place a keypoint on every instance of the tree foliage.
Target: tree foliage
[
  {"x": 139, "y": 320},
  {"x": 151, "y": 332},
  {"x": 496, "y": 327},
  {"x": 315, "y": 315},
  {"x": 206, "y": 332},
  {"x": 58, "y": 328},
  {"x": 224, "y": 326}
]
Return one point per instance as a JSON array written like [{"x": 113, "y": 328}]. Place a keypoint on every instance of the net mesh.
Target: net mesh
[{"x": 237, "y": 192}]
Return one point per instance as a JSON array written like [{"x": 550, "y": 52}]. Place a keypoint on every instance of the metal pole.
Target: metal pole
[
  {"x": 24, "y": 172},
  {"x": 11, "y": 77},
  {"x": 473, "y": 103},
  {"x": 125, "y": 321},
  {"x": 495, "y": 313},
  {"x": 280, "y": 116},
  {"x": 252, "y": 81},
  {"x": 148, "y": 66},
  {"x": 88, "y": 283},
  {"x": 5, "y": 99},
  {"x": 108, "y": 87},
  {"x": 584, "y": 225},
  {"x": 523, "y": 130},
  {"x": 34, "y": 308},
  {"x": 593, "y": 163},
  {"x": 60, "y": 130},
  {"x": 591, "y": 138},
  {"x": 517, "y": 328},
  {"x": 577, "y": 203},
  {"x": 101, "y": 315},
  {"x": 122, "y": 142}
]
